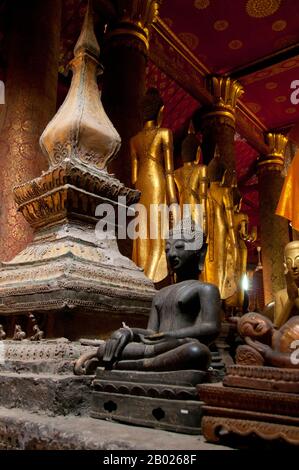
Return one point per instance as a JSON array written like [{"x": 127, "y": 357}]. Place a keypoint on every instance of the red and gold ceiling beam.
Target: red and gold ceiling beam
[{"x": 175, "y": 59}]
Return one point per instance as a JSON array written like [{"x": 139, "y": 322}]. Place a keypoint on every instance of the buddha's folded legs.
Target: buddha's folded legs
[{"x": 191, "y": 355}]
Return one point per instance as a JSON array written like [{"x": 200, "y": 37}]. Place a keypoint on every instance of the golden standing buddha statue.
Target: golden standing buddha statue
[
  {"x": 152, "y": 174},
  {"x": 191, "y": 180},
  {"x": 222, "y": 254},
  {"x": 240, "y": 222}
]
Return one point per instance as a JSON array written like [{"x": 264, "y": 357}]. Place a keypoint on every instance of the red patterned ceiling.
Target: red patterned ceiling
[
  {"x": 268, "y": 94},
  {"x": 227, "y": 34}
]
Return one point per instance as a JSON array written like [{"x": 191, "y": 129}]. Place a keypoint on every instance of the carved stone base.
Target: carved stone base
[
  {"x": 165, "y": 400},
  {"x": 43, "y": 406},
  {"x": 21, "y": 430},
  {"x": 39, "y": 377},
  {"x": 68, "y": 266},
  {"x": 229, "y": 411}
]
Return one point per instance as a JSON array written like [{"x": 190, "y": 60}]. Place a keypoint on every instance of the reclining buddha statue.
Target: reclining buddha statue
[{"x": 275, "y": 343}]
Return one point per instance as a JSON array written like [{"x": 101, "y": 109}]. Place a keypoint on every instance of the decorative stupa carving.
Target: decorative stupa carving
[
  {"x": 66, "y": 267},
  {"x": 81, "y": 131}
]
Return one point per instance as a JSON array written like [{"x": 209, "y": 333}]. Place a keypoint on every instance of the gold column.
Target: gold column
[
  {"x": 31, "y": 88},
  {"x": 125, "y": 56},
  {"x": 218, "y": 120},
  {"x": 274, "y": 229}
]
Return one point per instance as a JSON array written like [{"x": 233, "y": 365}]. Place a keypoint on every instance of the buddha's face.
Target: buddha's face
[
  {"x": 291, "y": 254},
  {"x": 178, "y": 254},
  {"x": 254, "y": 325}
]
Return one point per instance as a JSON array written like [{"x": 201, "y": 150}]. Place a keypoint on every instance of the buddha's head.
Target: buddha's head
[
  {"x": 255, "y": 325},
  {"x": 237, "y": 199},
  {"x": 152, "y": 106},
  {"x": 185, "y": 250},
  {"x": 291, "y": 259},
  {"x": 219, "y": 173},
  {"x": 190, "y": 146},
  {"x": 190, "y": 149},
  {"x": 216, "y": 169}
]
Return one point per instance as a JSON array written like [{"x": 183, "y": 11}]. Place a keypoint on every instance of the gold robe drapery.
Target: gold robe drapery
[{"x": 288, "y": 205}]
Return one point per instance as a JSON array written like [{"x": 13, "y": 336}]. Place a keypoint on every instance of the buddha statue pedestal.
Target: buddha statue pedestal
[
  {"x": 249, "y": 402},
  {"x": 163, "y": 400}
]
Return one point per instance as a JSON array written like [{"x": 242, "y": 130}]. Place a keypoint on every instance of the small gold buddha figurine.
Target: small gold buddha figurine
[
  {"x": 222, "y": 254},
  {"x": 286, "y": 301},
  {"x": 240, "y": 221},
  {"x": 191, "y": 180},
  {"x": 152, "y": 174}
]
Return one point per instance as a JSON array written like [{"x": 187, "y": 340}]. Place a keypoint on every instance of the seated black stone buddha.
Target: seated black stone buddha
[{"x": 184, "y": 319}]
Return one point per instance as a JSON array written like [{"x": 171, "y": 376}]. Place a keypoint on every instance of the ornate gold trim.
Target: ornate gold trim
[
  {"x": 270, "y": 161},
  {"x": 130, "y": 32},
  {"x": 225, "y": 91},
  {"x": 277, "y": 144},
  {"x": 228, "y": 114},
  {"x": 274, "y": 160},
  {"x": 135, "y": 19}
]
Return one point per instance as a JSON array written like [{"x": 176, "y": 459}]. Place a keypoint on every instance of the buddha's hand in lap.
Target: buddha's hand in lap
[
  {"x": 155, "y": 338},
  {"x": 116, "y": 344}
]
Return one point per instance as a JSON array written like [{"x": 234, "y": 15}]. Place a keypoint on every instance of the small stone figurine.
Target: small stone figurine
[
  {"x": 2, "y": 333},
  {"x": 38, "y": 334},
  {"x": 19, "y": 335}
]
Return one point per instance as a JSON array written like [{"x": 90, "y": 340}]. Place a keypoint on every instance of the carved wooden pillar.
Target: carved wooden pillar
[
  {"x": 218, "y": 120},
  {"x": 31, "y": 88},
  {"x": 274, "y": 229},
  {"x": 125, "y": 57}
]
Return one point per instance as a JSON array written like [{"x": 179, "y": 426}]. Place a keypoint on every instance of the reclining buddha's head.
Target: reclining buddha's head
[{"x": 254, "y": 325}]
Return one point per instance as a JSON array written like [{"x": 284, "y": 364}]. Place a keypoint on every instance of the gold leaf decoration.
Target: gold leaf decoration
[
  {"x": 221, "y": 25},
  {"x": 191, "y": 40},
  {"x": 290, "y": 110},
  {"x": 201, "y": 4},
  {"x": 280, "y": 99},
  {"x": 254, "y": 107},
  {"x": 271, "y": 85},
  {"x": 235, "y": 44},
  {"x": 279, "y": 25},
  {"x": 262, "y": 8}
]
